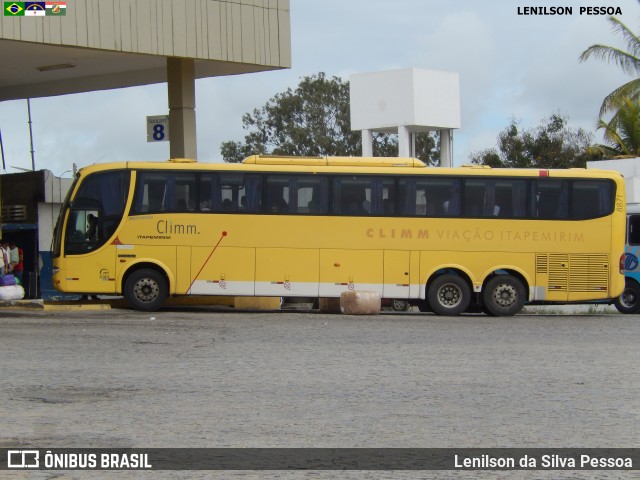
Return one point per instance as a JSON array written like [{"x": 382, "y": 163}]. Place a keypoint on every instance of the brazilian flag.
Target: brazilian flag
[{"x": 14, "y": 9}]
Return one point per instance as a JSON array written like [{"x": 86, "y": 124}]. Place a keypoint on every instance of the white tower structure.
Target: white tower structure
[{"x": 406, "y": 102}]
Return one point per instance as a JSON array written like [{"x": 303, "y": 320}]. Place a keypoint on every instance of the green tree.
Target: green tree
[
  {"x": 551, "y": 145},
  {"x": 628, "y": 61},
  {"x": 313, "y": 120},
  {"x": 622, "y": 133}
]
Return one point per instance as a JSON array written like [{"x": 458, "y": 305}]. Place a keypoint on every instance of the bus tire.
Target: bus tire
[
  {"x": 629, "y": 300},
  {"x": 504, "y": 296},
  {"x": 449, "y": 295},
  {"x": 145, "y": 289}
]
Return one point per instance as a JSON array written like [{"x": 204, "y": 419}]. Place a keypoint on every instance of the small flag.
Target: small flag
[
  {"x": 56, "y": 9},
  {"x": 34, "y": 9},
  {"x": 14, "y": 9}
]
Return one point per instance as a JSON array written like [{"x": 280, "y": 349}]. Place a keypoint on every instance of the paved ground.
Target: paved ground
[{"x": 219, "y": 378}]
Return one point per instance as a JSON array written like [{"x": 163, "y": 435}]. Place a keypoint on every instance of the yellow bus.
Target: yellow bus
[{"x": 444, "y": 239}]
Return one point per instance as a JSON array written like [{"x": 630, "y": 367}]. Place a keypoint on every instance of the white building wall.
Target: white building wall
[
  {"x": 630, "y": 170},
  {"x": 406, "y": 102},
  {"x": 55, "y": 191},
  {"x": 421, "y": 100}
]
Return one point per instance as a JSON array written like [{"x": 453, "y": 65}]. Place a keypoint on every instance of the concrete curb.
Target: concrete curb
[
  {"x": 39, "y": 304},
  {"x": 58, "y": 306}
]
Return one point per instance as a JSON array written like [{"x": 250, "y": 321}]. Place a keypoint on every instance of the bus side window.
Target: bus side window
[
  {"x": 475, "y": 191},
  {"x": 83, "y": 233},
  {"x": 207, "y": 182},
  {"x": 311, "y": 195},
  {"x": 510, "y": 200},
  {"x": 352, "y": 195},
  {"x": 451, "y": 206},
  {"x": 151, "y": 192},
  {"x": 184, "y": 191},
  {"x": 235, "y": 192},
  {"x": 431, "y": 197},
  {"x": 385, "y": 190},
  {"x": 549, "y": 198},
  {"x": 278, "y": 194},
  {"x": 591, "y": 199},
  {"x": 634, "y": 230},
  {"x": 412, "y": 199}
]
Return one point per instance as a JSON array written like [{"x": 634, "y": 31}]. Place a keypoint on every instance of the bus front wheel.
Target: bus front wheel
[
  {"x": 629, "y": 301},
  {"x": 449, "y": 295},
  {"x": 145, "y": 289},
  {"x": 504, "y": 296}
]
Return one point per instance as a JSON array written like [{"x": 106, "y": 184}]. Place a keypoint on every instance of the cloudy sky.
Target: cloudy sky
[{"x": 510, "y": 66}]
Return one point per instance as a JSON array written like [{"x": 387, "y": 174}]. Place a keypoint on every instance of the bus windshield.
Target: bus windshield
[{"x": 96, "y": 211}]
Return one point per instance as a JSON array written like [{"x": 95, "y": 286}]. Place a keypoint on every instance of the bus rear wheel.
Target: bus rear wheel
[
  {"x": 449, "y": 295},
  {"x": 145, "y": 289},
  {"x": 629, "y": 301},
  {"x": 503, "y": 296}
]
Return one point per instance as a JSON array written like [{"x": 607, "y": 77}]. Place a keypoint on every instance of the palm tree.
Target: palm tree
[
  {"x": 622, "y": 132},
  {"x": 628, "y": 61}
]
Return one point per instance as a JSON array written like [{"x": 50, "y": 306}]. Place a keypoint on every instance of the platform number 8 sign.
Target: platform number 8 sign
[{"x": 158, "y": 128}]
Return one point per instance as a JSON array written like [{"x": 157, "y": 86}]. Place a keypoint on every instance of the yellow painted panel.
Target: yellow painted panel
[
  {"x": 184, "y": 269},
  {"x": 100, "y": 278},
  {"x": 285, "y": 271},
  {"x": 162, "y": 256},
  {"x": 230, "y": 265},
  {"x": 414, "y": 276},
  {"x": 350, "y": 270},
  {"x": 396, "y": 274}
]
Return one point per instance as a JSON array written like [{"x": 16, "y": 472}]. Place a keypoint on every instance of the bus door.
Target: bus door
[
  {"x": 92, "y": 218},
  {"x": 90, "y": 260}
]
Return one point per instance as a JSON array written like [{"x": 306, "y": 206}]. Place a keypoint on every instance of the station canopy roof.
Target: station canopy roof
[
  {"x": 95, "y": 45},
  {"x": 31, "y": 70}
]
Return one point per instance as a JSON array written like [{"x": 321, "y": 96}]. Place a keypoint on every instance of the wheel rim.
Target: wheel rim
[
  {"x": 505, "y": 295},
  {"x": 628, "y": 298},
  {"x": 146, "y": 290},
  {"x": 449, "y": 295}
]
